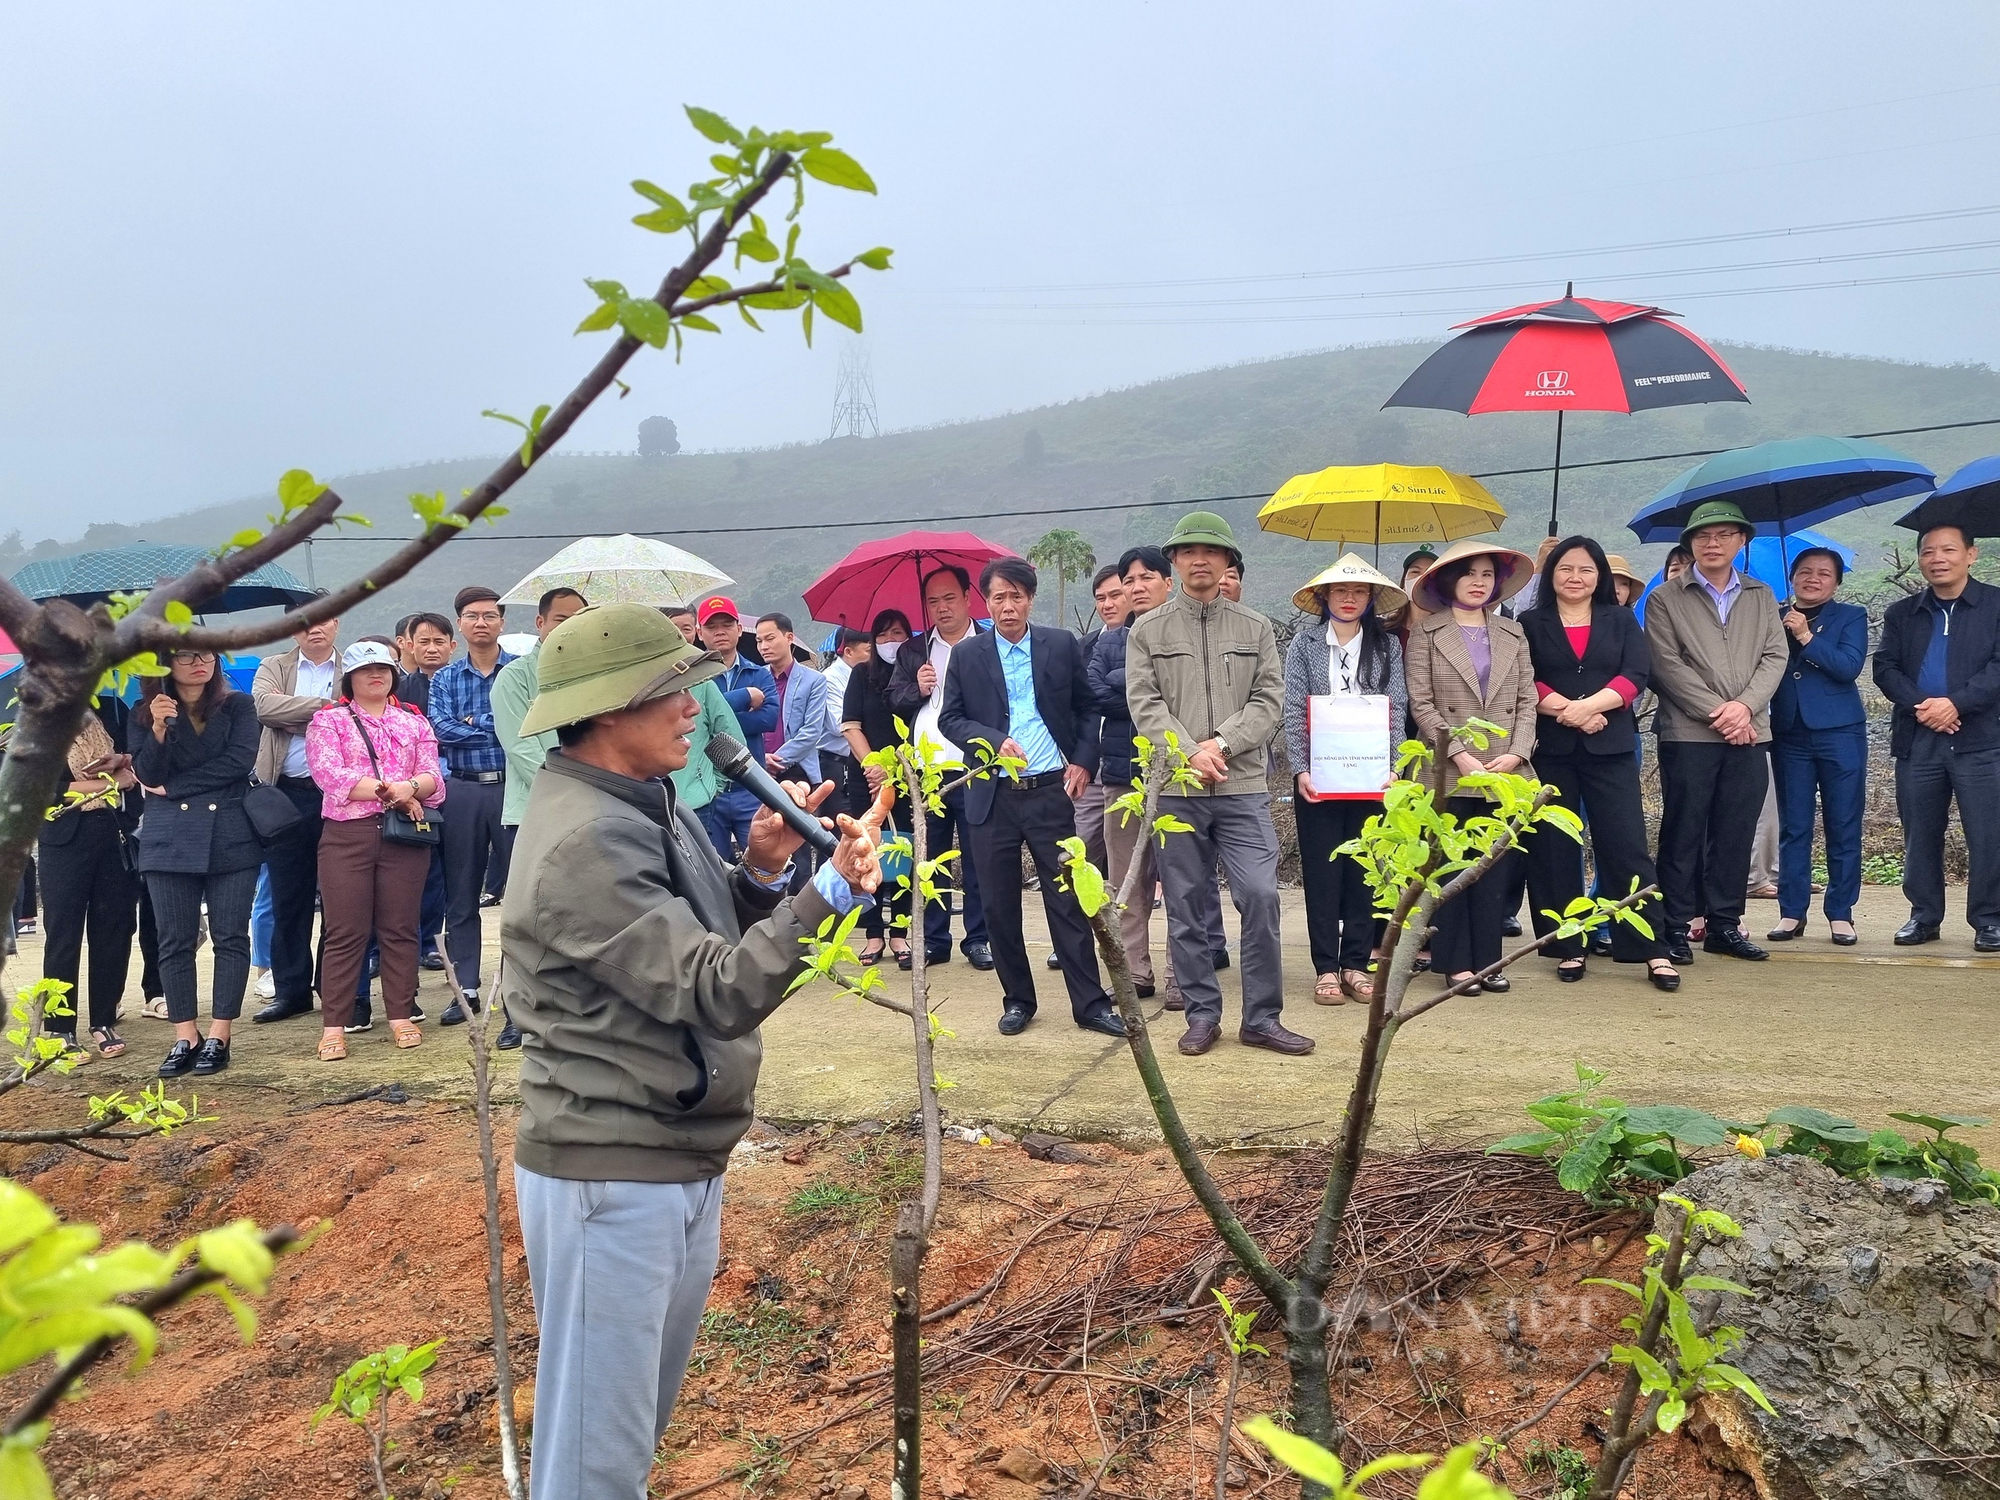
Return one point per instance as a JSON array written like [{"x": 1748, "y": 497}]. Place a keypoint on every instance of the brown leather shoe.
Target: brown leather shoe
[
  {"x": 1199, "y": 1037},
  {"x": 1174, "y": 1001},
  {"x": 1274, "y": 1038}
]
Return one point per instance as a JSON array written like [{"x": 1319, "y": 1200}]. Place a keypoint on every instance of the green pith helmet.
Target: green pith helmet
[
  {"x": 1206, "y": 528},
  {"x": 611, "y": 657},
  {"x": 1717, "y": 513}
]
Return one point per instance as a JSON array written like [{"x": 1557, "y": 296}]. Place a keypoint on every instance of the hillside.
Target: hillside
[{"x": 1236, "y": 430}]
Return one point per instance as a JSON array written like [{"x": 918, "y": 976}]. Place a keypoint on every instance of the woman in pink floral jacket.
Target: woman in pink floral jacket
[{"x": 370, "y": 755}]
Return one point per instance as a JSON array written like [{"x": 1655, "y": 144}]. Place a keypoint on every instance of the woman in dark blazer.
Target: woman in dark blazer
[
  {"x": 1591, "y": 662},
  {"x": 194, "y": 744},
  {"x": 1819, "y": 743},
  {"x": 869, "y": 723}
]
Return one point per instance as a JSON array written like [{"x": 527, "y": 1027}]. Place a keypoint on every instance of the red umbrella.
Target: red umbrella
[
  {"x": 1572, "y": 354},
  {"x": 888, "y": 574}
]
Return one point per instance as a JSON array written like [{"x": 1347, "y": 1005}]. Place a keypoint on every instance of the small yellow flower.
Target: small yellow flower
[{"x": 1751, "y": 1146}]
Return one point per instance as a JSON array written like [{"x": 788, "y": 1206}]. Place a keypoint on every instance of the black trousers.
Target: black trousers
[
  {"x": 891, "y": 901},
  {"x": 1467, "y": 936},
  {"x": 1340, "y": 912},
  {"x": 87, "y": 890},
  {"x": 1604, "y": 788},
  {"x": 1711, "y": 796},
  {"x": 938, "y": 830},
  {"x": 471, "y": 833},
  {"x": 177, "y": 901},
  {"x": 1927, "y": 780},
  {"x": 1038, "y": 816},
  {"x": 293, "y": 860}
]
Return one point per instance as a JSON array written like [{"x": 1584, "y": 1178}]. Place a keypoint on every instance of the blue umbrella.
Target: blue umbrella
[
  {"x": 1786, "y": 485},
  {"x": 1765, "y": 563},
  {"x": 1971, "y": 498},
  {"x": 88, "y": 578}
]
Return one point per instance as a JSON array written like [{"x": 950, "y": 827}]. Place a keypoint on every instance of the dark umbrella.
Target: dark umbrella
[
  {"x": 92, "y": 577},
  {"x": 1970, "y": 498},
  {"x": 1786, "y": 485},
  {"x": 1572, "y": 354}
]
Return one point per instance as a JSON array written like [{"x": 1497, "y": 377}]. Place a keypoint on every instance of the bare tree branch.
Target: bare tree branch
[
  {"x": 211, "y": 576},
  {"x": 136, "y": 633},
  {"x": 17, "y": 610}
]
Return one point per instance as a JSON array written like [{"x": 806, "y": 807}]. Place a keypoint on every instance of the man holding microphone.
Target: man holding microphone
[{"x": 638, "y": 968}]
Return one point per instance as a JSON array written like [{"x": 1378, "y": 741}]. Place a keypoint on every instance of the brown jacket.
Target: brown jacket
[
  {"x": 1444, "y": 688},
  {"x": 280, "y": 710},
  {"x": 1699, "y": 663},
  {"x": 1207, "y": 670}
]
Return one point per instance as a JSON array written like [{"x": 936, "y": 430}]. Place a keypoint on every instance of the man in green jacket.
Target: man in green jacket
[
  {"x": 513, "y": 691},
  {"x": 639, "y": 968},
  {"x": 1205, "y": 669}
]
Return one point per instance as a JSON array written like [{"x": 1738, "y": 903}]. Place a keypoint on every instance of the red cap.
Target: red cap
[{"x": 716, "y": 604}]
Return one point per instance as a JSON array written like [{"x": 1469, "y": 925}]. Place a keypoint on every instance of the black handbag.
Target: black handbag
[
  {"x": 271, "y": 813},
  {"x": 399, "y": 827}
]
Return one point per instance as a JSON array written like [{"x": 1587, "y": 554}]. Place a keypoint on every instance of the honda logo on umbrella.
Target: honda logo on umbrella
[{"x": 1551, "y": 383}]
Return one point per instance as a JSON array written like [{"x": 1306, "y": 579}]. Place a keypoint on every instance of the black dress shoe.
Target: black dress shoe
[
  {"x": 212, "y": 1056},
  {"x": 1496, "y": 984},
  {"x": 1511, "y": 927},
  {"x": 1786, "y": 934},
  {"x": 1986, "y": 940},
  {"x": 510, "y": 1037},
  {"x": 1199, "y": 1037},
  {"x": 1914, "y": 932},
  {"x": 979, "y": 955},
  {"x": 179, "y": 1060},
  {"x": 1054, "y": 960},
  {"x": 1014, "y": 1020},
  {"x": 1144, "y": 991},
  {"x": 1274, "y": 1038},
  {"x": 454, "y": 1015},
  {"x": 431, "y": 960},
  {"x": 1679, "y": 950},
  {"x": 1221, "y": 957},
  {"x": 1731, "y": 942},
  {"x": 282, "y": 1010},
  {"x": 1101, "y": 1017},
  {"x": 935, "y": 956},
  {"x": 1845, "y": 939}
]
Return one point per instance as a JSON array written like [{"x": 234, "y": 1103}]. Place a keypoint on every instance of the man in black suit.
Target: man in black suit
[{"x": 1021, "y": 689}]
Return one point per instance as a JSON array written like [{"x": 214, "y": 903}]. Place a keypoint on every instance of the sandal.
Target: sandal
[
  {"x": 155, "y": 1008},
  {"x": 871, "y": 951},
  {"x": 1330, "y": 990},
  {"x": 332, "y": 1046},
  {"x": 405, "y": 1033},
  {"x": 1358, "y": 984},
  {"x": 109, "y": 1042}
]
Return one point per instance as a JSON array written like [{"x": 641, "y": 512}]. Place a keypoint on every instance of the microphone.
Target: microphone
[{"x": 733, "y": 759}]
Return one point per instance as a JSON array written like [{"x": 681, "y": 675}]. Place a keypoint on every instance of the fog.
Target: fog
[{"x": 242, "y": 238}]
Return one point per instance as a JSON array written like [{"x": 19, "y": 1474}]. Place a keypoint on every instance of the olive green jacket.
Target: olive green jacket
[
  {"x": 1207, "y": 670},
  {"x": 638, "y": 968},
  {"x": 513, "y": 693}
]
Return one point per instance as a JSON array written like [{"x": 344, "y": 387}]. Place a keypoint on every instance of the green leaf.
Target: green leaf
[
  {"x": 1696, "y": 1127},
  {"x": 1819, "y": 1122},
  {"x": 1673, "y": 1412},
  {"x": 298, "y": 489},
  {"x": 22, "y": 1476},
  {"x": 178, "y": 613},
  {"x": 876, "y": 259},
  {"x": 836, "y": 169},
  {"x": 604, "y": 316},
  {"x": 645, "y": 320},
  {"x": 1940, "y": 1123},
  {"x": 1301, "y": 1455},
  {"x": 839, "y": 305},
  {"x": 249, "y": 537},
  {"x": 1581, "y": 1169},
  {"x": 664, "y": 220},
  {"x": 757, "y": 246},
  {"x": 779, "y": 301},
  {"x": 1730, "y": 1375},
  {"x": 657, "y": 194},
  {"x": 1531, "y": 1143},
  {"x": 1701, "y": 1282},
  {"x": 712, "y": 125},
  {"x": 696, "y": 320}
]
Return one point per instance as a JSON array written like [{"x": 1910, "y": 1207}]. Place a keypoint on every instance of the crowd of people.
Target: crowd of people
[{"x": 324, "y": 829}]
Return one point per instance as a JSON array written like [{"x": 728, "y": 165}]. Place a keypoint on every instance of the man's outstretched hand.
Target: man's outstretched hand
[{"x": 771, "y": 843}]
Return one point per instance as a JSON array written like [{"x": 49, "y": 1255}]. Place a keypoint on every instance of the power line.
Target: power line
[{"x": 1073, "y": 510}]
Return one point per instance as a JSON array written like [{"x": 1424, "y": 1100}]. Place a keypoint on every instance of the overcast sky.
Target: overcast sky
[{"x": 241, "y": 238}]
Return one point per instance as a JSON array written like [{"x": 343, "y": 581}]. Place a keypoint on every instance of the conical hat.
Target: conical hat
[
  {"x": 1622, "y": 569},
  {"x": 1351, "y": 569},
  {"x": 1514, "y": 570}
]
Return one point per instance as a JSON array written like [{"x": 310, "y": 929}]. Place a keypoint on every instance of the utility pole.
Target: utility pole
[{"x": 854, "y": 395}]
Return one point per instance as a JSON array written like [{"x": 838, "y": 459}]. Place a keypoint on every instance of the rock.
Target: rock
[
  {"x": 852, "y": 1492},
  {"x": 1054, "y": 1148},
  {"x": 1023, "y": 1464},
  {"x": 1875, "y": 1333}
]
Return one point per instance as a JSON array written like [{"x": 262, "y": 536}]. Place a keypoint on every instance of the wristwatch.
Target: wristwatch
[{"x": 1221, "y": 745}]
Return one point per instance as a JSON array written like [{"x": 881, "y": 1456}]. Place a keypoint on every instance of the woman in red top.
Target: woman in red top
[{"x": 1591, "y": 662}]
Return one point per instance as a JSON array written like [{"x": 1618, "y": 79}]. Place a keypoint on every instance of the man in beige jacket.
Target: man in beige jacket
[
  {"x": 1718, "y": 657},
  {"x": 1206, "y": 670},
  {"x": 288, "y": 690}
]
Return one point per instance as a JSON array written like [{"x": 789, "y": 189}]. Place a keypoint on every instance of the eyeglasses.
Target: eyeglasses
[
  {"x": 189, "y": 658},
  {"x": 481, "y": 619}
]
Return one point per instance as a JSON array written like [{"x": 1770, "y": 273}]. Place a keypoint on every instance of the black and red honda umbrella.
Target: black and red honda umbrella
[{"x": 1572, "y": 354}]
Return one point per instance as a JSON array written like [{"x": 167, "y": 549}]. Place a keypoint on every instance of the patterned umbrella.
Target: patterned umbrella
[
  {"x": 622, "y": 570},
  {"x": 88, "y": 578}
]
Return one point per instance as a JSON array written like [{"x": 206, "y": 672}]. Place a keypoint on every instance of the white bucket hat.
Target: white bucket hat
[{"x": 1352, "y": 569}]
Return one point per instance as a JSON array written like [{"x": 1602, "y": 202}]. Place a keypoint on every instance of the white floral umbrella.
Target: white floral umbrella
[{"x": 622, "y": 570}]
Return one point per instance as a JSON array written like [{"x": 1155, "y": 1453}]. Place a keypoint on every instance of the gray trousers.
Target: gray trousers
[
  {"x": 1135, "y": 924},
  {"x": 620, "y": 1272},
  {"x": 1090, "y": 822},
  {"x": 1238, "y": 832}
]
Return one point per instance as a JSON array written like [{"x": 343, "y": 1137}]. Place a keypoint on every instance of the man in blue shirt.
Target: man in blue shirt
[
  {"x": 1939, "y": 664},
  {"x": 1023, "y": 692},
  {"x": 752, "y": 695},
  {"x": 461, "y": 703}
]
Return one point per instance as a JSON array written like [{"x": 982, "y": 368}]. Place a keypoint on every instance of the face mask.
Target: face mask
[{"x": 887, "y": 650}]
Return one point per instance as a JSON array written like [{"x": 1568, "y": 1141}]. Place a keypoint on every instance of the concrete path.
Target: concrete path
[{"x": 1861, "y": 1031}]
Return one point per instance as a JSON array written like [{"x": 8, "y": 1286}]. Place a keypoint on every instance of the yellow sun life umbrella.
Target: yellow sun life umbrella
[{"x": 1382, "y": 503}]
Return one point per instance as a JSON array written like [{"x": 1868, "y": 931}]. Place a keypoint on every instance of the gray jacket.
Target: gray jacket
[
  {"x": 1205, "y": 671},
  {"x": 1699, "y": 663},
  {"x": 638, "y": 968},
  {"x": 1307, "y": 675}
]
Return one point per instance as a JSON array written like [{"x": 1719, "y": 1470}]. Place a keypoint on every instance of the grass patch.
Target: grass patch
[
  {"x": 1571, "y": 1470},
  {"x": 768, "y": 1334},
  {"x": 825, "y": 1196}
]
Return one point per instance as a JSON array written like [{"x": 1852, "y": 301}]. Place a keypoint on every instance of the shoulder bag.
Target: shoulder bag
[
  {"x": 398, "y": 827},
  {"x": 272, "y": 814}
]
